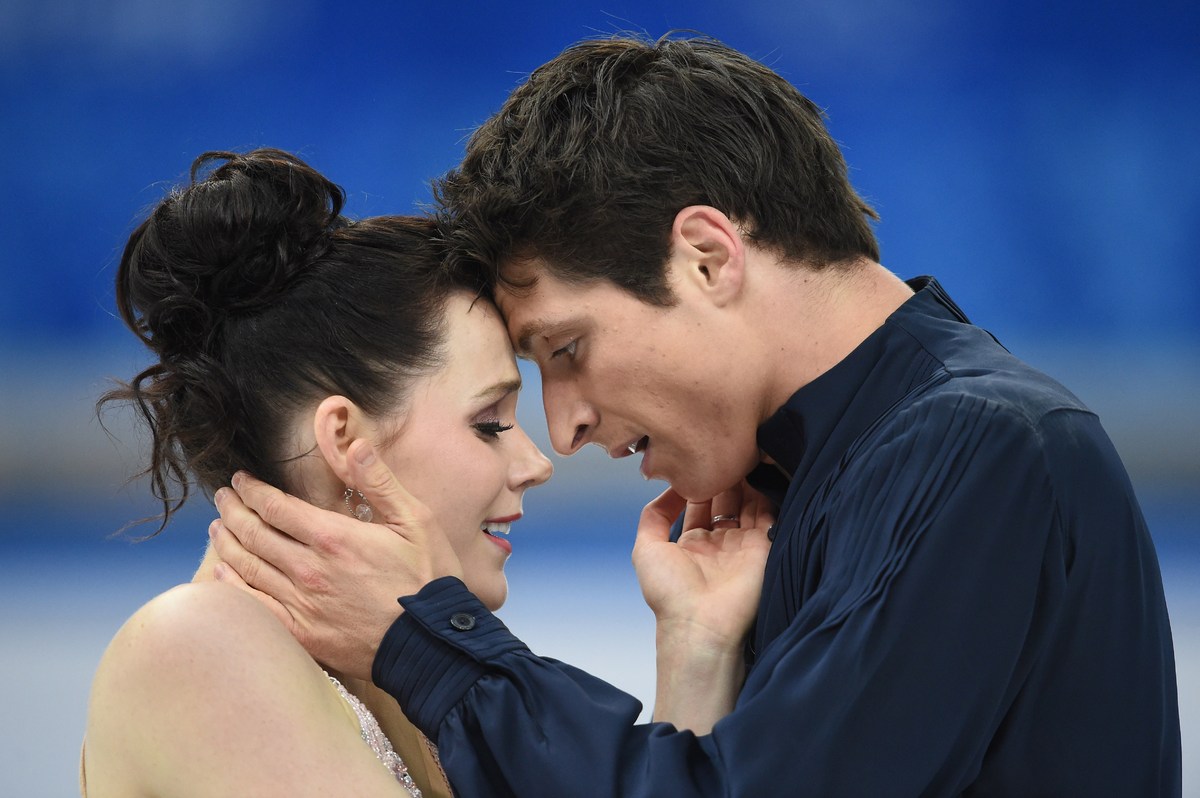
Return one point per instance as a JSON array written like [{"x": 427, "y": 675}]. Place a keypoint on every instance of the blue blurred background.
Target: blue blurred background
[{"x": 1039, "y": 158}]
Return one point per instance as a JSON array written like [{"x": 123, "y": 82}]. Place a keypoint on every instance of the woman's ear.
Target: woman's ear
[
  {"x": 708, "y": 252},
  {"x": 336, "y": 424}
]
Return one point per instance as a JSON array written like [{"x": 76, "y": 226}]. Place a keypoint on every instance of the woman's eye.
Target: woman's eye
[
  {"x": 568, "y": 350},
  {"x": 491, "y": 429}
]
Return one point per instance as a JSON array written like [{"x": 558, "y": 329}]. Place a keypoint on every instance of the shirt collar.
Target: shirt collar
[{"x": 816, "y": 425}]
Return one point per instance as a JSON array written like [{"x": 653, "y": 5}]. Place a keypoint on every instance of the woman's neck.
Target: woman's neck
[{"x": 204, "y": 573}]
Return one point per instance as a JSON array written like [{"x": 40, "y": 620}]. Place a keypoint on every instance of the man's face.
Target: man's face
[{"x": 633, "y": 377}]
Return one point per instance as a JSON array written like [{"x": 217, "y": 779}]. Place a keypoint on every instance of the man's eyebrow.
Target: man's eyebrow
[
  {"x": 530, "y": 330},
  {"x": 499, "y": 390}
]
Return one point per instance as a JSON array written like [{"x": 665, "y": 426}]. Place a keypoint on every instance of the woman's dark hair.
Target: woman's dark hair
[
  {"x": 588, "y": 162},
  {"x": 259, "y": 298}
]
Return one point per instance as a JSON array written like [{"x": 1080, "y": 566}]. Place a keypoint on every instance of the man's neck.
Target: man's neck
[{"x": 822, "y": 317}]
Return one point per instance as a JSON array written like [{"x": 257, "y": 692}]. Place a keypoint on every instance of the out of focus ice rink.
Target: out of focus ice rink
[{"x": 1038, "y": 158}]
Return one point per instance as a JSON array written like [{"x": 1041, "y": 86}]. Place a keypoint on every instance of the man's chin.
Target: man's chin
[
  {"x": 703, "y": 490},
  {"x": 692, "y": 491}
]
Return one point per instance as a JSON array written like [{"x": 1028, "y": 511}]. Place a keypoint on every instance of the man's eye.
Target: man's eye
[
  {"x": 491, "y": 429},
  {"x": 568, "y": 350}
]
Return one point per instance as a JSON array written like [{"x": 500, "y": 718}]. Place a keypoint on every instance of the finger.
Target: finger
[
  {"x": 402, "y": 513},
  {"x": 727, "y": 508},
  {"x": 757, "y": 510},
  {"x": 392, "y": 504},
  {"x": 766, "y": 514},
  {"x": 698, "y": 515},
  {"x": 250, "y": 568},
  {"x": 658, "y": 516},
  {"x": 256, "y": 539},
  {"x": 258, "y": 503},
  {"x": 226, "y": 575},
  {"x": 749, "y": 514}
]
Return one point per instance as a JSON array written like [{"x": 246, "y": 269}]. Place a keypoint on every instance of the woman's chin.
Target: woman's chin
[{"x": 492, "y": 593}]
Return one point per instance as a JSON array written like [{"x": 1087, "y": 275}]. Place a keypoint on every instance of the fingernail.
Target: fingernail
[
  {"x": 219, "y": 497},
  {"x": 365, "y": 454},
  {"x": 238, "y": 479},
  {"x": 212, "y": 530},
  {"x": 219, "y": 571}
]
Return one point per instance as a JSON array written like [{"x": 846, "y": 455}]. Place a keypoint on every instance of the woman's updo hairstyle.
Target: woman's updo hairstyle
[{"x": 258, "y": 299}]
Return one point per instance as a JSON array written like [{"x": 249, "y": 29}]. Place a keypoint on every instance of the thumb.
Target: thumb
[
  {"x": 658, "y": 516},
  {"x": 392, "y": 504}
]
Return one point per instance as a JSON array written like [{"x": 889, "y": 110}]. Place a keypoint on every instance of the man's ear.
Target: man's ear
[
  {"x": 708, "y": 251},
  {"x": 336, "y": 425}
]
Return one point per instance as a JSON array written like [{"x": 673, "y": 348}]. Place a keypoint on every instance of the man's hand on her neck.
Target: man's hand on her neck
[{"x": 331, "y": 579}]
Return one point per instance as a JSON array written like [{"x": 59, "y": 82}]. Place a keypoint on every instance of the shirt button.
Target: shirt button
[
  {"x": 771, "y": 532},
  {"x": 462, "y": 621}
]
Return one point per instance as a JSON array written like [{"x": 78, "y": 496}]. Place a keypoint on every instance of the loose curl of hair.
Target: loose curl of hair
[
  {"x": 258, "y": 299},
  {"x": 588, "y": 162}
]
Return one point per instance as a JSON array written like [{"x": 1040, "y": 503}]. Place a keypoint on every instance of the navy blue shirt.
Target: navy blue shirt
[{"x": 961, "y": 598}]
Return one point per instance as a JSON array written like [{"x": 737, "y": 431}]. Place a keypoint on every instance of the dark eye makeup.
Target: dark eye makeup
[{"x": 491, "y": 428}]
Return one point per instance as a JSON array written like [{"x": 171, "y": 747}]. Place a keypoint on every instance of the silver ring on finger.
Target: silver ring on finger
[{"x": 716, "y": 519}]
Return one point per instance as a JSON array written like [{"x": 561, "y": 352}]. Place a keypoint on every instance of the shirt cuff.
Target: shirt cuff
[{"x": 437, "y": 650}]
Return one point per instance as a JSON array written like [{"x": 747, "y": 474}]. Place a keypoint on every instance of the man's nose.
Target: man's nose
[{"x": 570, "y": 419}]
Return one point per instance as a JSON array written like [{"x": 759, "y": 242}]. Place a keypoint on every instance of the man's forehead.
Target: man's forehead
[
  {"x": 515, "y": 280},
  {"x": 520, "y": 271},
  {"x": 535, "y": 301},
  {"x": 516, "y": 302},
  {"x": 518, "y": 299}
]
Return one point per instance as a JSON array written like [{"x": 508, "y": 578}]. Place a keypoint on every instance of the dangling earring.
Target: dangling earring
[{"x": 361, "y": 510}]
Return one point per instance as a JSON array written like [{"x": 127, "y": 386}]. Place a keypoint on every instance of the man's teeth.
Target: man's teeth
[
  {"x": 636, "y": 446},
  {"x": 502, "y": 529}
]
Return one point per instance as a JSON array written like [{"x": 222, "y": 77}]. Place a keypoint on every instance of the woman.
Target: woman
[{"x": 283, "y": 333}]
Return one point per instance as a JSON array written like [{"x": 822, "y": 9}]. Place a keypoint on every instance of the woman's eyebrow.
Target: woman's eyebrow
[{"x": 500, "y": 389}]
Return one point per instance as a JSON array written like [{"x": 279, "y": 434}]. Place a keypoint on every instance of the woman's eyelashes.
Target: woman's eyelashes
[
  {"x": 487, "y": 423},
  {"x": 491, "y": 428}
]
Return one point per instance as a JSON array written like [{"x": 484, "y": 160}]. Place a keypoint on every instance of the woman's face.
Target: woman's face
[{"x": 460, "y": 451}]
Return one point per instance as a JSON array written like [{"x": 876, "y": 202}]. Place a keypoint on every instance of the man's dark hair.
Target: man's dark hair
[{"x": 588, "y": 162}]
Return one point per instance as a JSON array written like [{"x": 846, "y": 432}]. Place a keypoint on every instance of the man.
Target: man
[{"x": 961, "y": 595}]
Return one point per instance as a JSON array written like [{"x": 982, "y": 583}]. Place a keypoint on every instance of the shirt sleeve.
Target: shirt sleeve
[
  {"x": 922, "y": 588},
  {"x": 500, "y": 715}
]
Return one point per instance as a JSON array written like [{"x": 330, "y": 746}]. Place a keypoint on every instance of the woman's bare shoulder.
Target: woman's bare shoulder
[
  {"x": 196, "y": 636},
  {"x": 207, "y": 664}
]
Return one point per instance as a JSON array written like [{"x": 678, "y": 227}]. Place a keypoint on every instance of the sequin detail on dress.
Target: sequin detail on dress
[{"x": 377, "y": 740}]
